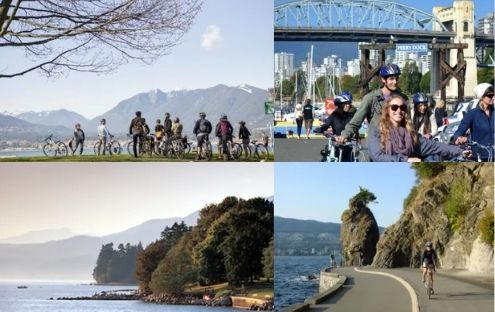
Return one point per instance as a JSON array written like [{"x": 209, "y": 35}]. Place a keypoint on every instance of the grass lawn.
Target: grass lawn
[{"x": 120, "y": 158}]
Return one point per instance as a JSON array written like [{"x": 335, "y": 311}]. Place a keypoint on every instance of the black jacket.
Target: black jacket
[{"x": 337, "y": 121}]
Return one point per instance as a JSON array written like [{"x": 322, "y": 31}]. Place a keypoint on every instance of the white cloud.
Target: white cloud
[{"x": 211, "y": 37}]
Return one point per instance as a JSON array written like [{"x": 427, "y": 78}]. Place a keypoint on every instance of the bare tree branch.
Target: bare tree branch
[{"x": 92, "y": 35}]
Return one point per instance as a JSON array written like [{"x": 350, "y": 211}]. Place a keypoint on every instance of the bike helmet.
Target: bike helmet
[
  {"x": 158, "y": 121},
  {"x": 389, "y": 70},
  {"x": 78, "y": 125},
  {"x": 481, "y": 89},
  {"x": 224, "y": 116},
  {"x": 348, "y": 94},
  {"x": 428, "y": 244},
  {"x": 202, "y": 114},
  {"x": 242, "y": 122},
  {"x": 167, "y": 115},
  {"x": 138, "y": 113},
  {"x": 343, "y": 98},
  {"x": 420, "y": 97},
  {"x": 103, "y": 120},
  {"x": 177, "y": 119}
]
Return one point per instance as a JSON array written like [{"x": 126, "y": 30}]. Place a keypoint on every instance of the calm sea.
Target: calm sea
[
  {"x": 36, "y": 298},
  {"x": 291, "y": 278}
]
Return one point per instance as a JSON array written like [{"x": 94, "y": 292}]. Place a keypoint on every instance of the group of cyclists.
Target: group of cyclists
[
  {"x": 398, "y": 132},
  {"x": 168, "y": 131}
]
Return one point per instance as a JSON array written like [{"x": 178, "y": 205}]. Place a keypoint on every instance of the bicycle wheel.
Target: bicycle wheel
[
  {"x": 50, "y": 150},
  {"x": 130, "y": 147},
  {"x": 207, "y": 151},
  {"x": 97, "y": 147},
  {"x": 147, "y": 147},
  {"x": 179, "y": 151},
  {"x": 261, "y": 152},
  {"x": 187, "y": 148},
  {"x": 236, "y": 151},
  {"x": 62, "y": 149},
  {"x": 115, "y": 148}
]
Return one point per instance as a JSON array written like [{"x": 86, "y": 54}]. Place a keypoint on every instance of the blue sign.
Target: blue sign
[{"x": 415, "y": 47}]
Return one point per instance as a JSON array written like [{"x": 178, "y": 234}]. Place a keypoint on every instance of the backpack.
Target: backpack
[
  {"x": 225, "y": 128},
  {"x": 204, "y": 126},
  {"x": 138, "y": 126}
]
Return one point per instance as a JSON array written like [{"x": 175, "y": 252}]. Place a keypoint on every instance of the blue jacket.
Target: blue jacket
[
  {"x": 424, "y": 148},
  {"x": 481, "y": 128}
]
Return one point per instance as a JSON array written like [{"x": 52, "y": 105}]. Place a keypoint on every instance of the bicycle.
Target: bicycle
[
  {"x": 113, "y": 147},
  {"x": 54, "y": 148},
  {"x": 329, "y": 153},
  {"x": 234, "y": 150},
  {"x": 259, "y": 150},
  {"x": 206, "y": 149},
  {"x": 429, "y": 281},
  {"x": 488, "y": 149},
  {"x": 146, "y": 146},
  {"x": 175, "y": 148}
]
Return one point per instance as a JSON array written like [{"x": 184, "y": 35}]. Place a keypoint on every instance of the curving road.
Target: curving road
[{"x": 455, "y": 291}]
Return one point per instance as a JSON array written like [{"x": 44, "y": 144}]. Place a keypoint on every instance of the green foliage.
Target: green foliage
[
  {"x": 410, "y": 78},
  {"x": 175, "y": 271},
  {"x": 268, "y": 261},
  {"x": 224, "y": 293},
  {"x": 425, "y": 170},
  {"x": 363, "y": 197},
  {"x": 116, "y": 266},
  {"x": 375, "y": 83},
  {"x": 351, "y": 84},
  {"x": 411, "y": 196},
  {"x": 457, "y": 205},
  {"x": 287, "y": 88},
  {"x": 424, "y": 84},
  {"x": 486, "y": 75},
  {"x": 486, "y": 228}
]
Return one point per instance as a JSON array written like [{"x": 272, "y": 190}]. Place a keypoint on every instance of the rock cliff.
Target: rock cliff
[
  {"x": 359, "y": 231},
  {"x": 451, "y": 206}
]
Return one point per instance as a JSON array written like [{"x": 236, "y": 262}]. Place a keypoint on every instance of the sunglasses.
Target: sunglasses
[
  {"x": 489, "y": 95},
  {"x": 395, "y": 107}
]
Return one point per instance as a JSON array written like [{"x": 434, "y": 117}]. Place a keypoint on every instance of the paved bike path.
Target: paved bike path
[
  {"x": 366, "y": 292},
  {"x": 299, "y": 150},
  {"x": 452, "y": 293}
]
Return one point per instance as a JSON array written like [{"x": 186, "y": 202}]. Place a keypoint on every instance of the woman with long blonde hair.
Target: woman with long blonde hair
[{"x": 396, "y": 140}]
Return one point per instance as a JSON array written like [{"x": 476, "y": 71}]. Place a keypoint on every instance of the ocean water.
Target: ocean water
[
  {"x": 291, "y": 279},
  {"x": 36, "y": 298}
]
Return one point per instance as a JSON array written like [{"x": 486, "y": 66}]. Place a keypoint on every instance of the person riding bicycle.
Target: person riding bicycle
[
  {"x": 103, "y": 135},
  {"x": 480, "y": 122},
  {"x": 428, "y": 262},
  {"x": 244, "y": 135},
  {"x": 202, "y": 130},
  {"x": 136, "y": 129},
  {"x": 423, "y": 119},
  {"x": 337, "y": 121},
  {"x": 79, "y": 138},
  {"x": 371, "y": 105},
  {"x": 224, "y": 131}
]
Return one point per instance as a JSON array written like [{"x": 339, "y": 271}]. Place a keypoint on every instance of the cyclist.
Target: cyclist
[
  {"x": 394, "y": 138},
  {"x": 159, "y": 130},
  {"x": 103, "y": 135},
  {"x": 244, "y": 135},
  {"x": 337, "y": 121},
  {"x": 224, "y": 131},
  {"x": 136, "y": 129},
  {"x": 167, "y": 130},
  {"x": 423, "y": 119},
  {"x": 202, "y": 130},
  {"x": 428, "y": 261},
  {"x": 176, "y": 129},
  {"x": 371, "y": 105},
  {"x": 79, "y": 138},
  {"x": 479, "y": 121}
]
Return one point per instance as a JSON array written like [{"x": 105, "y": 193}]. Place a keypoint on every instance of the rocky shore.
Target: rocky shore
[{"x": 106, "y": 296}]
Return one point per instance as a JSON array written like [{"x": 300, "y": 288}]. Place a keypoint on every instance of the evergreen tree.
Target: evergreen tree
[
  {"x": 102, "y": 263},
  {"x": 268, "y": 261}
]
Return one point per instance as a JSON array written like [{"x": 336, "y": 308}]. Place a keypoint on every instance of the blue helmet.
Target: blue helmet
[
  {"x": 419, "y": 97},
  {"x": 345, "y": 97},
  {"x": 389, "y": 70}
]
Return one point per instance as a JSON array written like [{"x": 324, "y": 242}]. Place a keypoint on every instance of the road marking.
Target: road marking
[{"x": 412, "y": 293}]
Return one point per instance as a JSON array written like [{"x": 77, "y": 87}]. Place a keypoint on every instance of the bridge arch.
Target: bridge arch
[{"x": 376, "y": 14}]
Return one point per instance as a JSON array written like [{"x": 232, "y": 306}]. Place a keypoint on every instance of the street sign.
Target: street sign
[
  {"x": 416, "y": 47},
  {"x": 269, "y": 108}
]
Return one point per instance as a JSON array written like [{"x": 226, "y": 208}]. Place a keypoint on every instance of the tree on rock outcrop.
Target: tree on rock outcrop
[{"x": 359, "y": 231}]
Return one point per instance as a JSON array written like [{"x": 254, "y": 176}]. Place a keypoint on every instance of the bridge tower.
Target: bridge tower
[{"x": 460, "y": 19}]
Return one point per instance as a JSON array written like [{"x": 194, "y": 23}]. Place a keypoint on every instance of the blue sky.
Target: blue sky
[
  {"x": 313, "y": 191},
  {"x": 244, "y": 54}
]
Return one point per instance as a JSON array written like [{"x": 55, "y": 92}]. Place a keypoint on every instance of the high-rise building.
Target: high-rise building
[
  {"x": 425, "y": 63},
  {"x": 485, "y": 25},
  {"x": 353, "y": 68},
  {"x": 284, "y": 65}
]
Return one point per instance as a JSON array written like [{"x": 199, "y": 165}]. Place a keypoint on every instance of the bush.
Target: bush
[
  {"x": 486, "y": 228},
  {"x": 411, "y": 196},
  {"x": 428, "y": 170},
  {"x": 224, "y": 293},
  {"x": 364, "y": 196},
  {"x": 456, "y": 204}
]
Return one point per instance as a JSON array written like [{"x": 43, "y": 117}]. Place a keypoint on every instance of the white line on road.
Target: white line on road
[{"x": 412, "y": 293}]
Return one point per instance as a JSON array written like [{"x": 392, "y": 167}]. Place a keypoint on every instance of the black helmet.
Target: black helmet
[
  {"x": 158, "y": 121},
  {"x": 103, "y": 120},
  {"x": 138, "y": 113},
  {"x": 224, "y": 116},
  {"x": 176, "y": 119},
  {"x": 389, "y": 70},
  {"x": 343, "y": 98},
  {"x": 202, "y": 114}
]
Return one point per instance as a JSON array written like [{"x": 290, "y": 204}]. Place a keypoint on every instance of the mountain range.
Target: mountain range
[
  {"x": 74, "y": 257},
  {"x": 306, "y": 237},
  {"x": 239, "y": 103}
]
